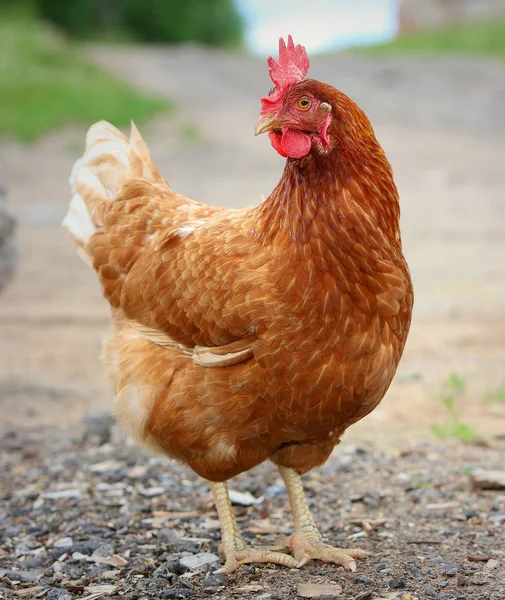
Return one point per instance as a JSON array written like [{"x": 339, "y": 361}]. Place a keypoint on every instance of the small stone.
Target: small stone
[
  {"x": 214, "y": 580},
  {"x": 88, "y": 546},
  {"x": 363, "y": 579},
  {"x": 198, "y": 561},
  {"x": 414, "y": 569},
  {"x": 492, "y": 563},
  {"x": 243, "y": 498},
  {"x": 153, "y": 491},
  {"x": 106, "y": 466},
  {"x": 65, "y": 542},
  {"x": 169, "y": 569},
  {"x": 57, "y": 567},
  {"x": 171, "y": 541},
  {"x": 177, "y": 593},
  {"x": 34, "y": 563},
  {"x": 488, "y": 480},
  {"x": 61, "y": 494},
  {"x": 31, "y": 576},
  {"x": 58, "y": 594},
  {"x": 104, "y": 550},
  {"x": 497, "y": 518},
  {"x": 79, "y": 556},
  {"x": 396, "y": 584}
]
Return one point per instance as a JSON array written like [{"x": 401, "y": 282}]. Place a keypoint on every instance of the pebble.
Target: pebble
[
  {"x": 171, "y": 541},
  {"x": 58, "y": 594},
  {"x": 244, "y": 498},
  {"x": 214, "y": 580},
  {"x": 60, "y": 494},
  {"x": 397, "y": 584},
  {"x": 497, "y": 518},
  {"x": 31, "y": 576},
  {"x": 177, "y": 593},
  {"x": 363, "y": 579},
  {"x": 198, "y": 561},
  {"x": 153, "y": 491},
  {"x": 104, "y": 550},
  {"x": 65, "y": 542}
]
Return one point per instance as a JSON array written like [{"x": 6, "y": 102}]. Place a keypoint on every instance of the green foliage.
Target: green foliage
[
  {"x": 453, "y": 427},
  {"x": 212, "y": 22},
  {"x": 455, "y": 384},
  {"x": 45, "y": 84},
  {"x": 472, "y": 38}
]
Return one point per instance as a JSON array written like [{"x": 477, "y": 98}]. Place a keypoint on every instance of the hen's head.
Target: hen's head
[{"x": 301, "y": 114}]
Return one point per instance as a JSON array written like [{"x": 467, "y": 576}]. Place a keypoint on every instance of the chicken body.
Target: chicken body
[{"x": 246, "y": 335}]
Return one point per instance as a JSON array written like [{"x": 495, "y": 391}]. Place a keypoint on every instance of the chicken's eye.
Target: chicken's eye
[{"x": 303, "y": 103}]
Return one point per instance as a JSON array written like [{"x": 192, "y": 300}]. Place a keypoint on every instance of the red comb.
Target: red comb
[{"x": 292, "y": 67}]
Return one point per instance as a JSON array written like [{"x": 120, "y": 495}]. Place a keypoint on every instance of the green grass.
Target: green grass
[
  {"x": 486, "y": 39},
  {"x": 452, "y": 426},
  {"x": 45, "y": 84}
]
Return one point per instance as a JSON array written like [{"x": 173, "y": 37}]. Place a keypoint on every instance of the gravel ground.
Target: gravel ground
[{"x": 95, "y": 517}]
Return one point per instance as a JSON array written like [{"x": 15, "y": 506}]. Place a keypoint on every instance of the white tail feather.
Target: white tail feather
[{"x": 110, "y": 159}]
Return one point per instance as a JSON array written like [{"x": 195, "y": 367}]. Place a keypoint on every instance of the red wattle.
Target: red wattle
[
  {"x": 289, "y": 142},
  {"x": 295, "y": 143},
  {"x": 276, "y": 141}
]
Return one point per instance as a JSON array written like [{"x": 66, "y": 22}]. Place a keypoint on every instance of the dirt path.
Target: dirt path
[{"x": 443, "y": 127}]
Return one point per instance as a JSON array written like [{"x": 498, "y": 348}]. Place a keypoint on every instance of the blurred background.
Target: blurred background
[{"x": 431, "y": 77}]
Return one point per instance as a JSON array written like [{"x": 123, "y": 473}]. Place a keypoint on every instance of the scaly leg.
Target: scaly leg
[
  {"x": 235, "y": 550},
  {"x": 306, "y": 542}
]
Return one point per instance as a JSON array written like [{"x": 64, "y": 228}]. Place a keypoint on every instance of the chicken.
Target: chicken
[{"x": 263, "y": 333}]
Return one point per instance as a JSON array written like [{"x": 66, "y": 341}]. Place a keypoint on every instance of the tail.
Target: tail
[{"x": 110, "y": 160}]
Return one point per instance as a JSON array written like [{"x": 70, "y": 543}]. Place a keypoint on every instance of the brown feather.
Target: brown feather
[{"x": 301, "y": 306}]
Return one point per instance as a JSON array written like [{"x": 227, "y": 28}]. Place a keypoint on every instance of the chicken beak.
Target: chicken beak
[{"x": 267, "y": 123}]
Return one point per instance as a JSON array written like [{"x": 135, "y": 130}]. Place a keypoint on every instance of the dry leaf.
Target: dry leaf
[
  {"x": 28, "y": 591},
  {"x": 115, "y": 560},
  {"x": 97, "y": 591},
  {"x": 317, "y": 590}
]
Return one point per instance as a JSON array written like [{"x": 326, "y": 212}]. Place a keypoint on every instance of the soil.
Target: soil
[{"x": 442, "y": 124}]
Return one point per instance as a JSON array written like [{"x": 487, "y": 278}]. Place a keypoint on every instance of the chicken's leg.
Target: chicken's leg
[
  {"x": 306, "y": 542},
  {"x": 235, "y": 550}
]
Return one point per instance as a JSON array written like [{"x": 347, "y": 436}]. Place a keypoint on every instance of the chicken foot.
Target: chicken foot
[
  {"x": 235, "y": 550},
  {"x": 306, "y": 541}
]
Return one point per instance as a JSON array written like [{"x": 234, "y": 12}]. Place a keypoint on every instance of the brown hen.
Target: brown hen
[{"x": 264, "y": 333}]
